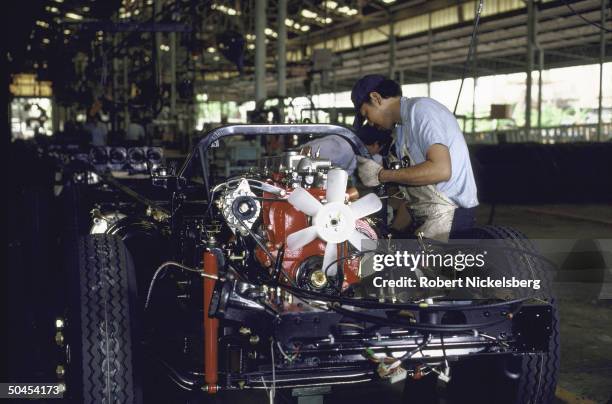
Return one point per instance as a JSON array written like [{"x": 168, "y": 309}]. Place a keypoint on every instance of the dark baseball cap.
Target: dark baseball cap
[{"x": 361, "y": 93}]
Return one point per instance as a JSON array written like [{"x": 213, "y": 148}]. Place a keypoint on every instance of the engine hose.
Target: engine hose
[{"x": 263, "y": 247}]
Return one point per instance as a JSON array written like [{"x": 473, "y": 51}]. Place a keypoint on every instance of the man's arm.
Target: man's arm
[{"x": 436, "y": 168}]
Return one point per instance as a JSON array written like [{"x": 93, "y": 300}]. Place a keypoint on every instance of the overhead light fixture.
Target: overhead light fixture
[
  {"x": 86, "y": 9},
  {"x": 52, "y": 9},
  {"x": 66, "y": 32},
  {"x": 74, "y": 16},
  {"x": 211, "y": 50},
  {"x": 271, "y": 32},
  {"x": 43, "y": 24},
  {"x": 330, "y": 4},
  {"x": 388, "y": 1},
  {"x": 347, "y": 10},
  {"x": 224, "y": 9},
  {"x": 250, "y": 37},
  {"x": 305, "y": 28},
  {"x": 297, "y": 26},
  {"x": 164, "y": 47},
  {"x": 59, "y": 1},
  {"x": 46, "y": 40},
  {"x": 216, "y": 58},
  {"x": 289, "y": 22},
  {"x": 308, "y": 14},
  {"x": 251, "y": 46}
]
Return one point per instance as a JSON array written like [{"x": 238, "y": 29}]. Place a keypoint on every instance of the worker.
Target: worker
[
  {"x": 341, "y": 153},
  {"x": 436, "y": 173},
  {"x": 376, "y": 141},
  {"x": 334, "y": 148},
  {"x": 97, "y": 130},
  {"x": 135, "y": 133}
]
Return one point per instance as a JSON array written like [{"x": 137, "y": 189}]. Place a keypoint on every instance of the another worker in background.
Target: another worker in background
[
  {"x": 341, "y": 153},
  {"x": 96, "y": 129},
  {"x": 135, "y": 133},
  {"x": 376, "y": 141},
  {"x": 334, "y": 148},
  {"x": 435, "y": 172}
]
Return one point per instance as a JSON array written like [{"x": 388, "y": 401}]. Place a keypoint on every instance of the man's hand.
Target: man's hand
[{"x": 368, "y": 171}]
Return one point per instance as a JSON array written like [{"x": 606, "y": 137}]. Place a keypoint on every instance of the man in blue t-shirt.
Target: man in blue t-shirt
[{"x": 436, "y": 169}]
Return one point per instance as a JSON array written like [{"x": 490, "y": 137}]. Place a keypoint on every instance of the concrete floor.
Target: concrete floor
[{"x": 586, "y": 324}]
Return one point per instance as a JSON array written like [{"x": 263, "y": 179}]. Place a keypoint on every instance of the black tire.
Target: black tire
[
  {"x": 535, "y": 375},
  {"x": 101, "y": 323}
]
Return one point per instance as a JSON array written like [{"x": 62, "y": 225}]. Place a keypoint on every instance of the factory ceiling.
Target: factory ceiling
[{"x": 414, "y": 40}]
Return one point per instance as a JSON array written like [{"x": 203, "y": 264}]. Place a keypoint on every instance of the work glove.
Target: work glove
[{"x": 368, "y": 171}]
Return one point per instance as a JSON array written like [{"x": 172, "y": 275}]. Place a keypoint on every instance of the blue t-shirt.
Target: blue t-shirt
[{"x": 426, "y": 122}]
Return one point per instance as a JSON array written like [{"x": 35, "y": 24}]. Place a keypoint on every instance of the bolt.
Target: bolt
[
  {"x": 60, "y": 371},
  {"x": 318, "y": 279},
  {"x": 59, "y": 338}
]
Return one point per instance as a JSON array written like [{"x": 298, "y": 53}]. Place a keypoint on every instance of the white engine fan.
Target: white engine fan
[{"x": 333, "y": 222}]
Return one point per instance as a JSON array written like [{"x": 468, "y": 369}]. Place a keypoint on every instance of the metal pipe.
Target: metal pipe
[
  {"x": 429, "y": 50},
  {"x": 126, "y": 95},
  {"x": 157, "y": 8},
  {"x": 475, "y": 77},
  {"x": 260, "y": 50},
  {"x": 391, "y": 48},
  {"x": 282, "y": 46},
  {"x": 602, "y": 55},
  {"x": 211, "y": 327},
  {"x": 173, "y": 75},
  {"x": 540, "y": 81},
  {"x": 115, "y": 122},
  {"x": 531, "y": 34}
]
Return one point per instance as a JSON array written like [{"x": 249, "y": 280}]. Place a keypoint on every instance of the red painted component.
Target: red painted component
[
  {"x": 211, "y": 327},
  {"x": 280, "y": 219}
]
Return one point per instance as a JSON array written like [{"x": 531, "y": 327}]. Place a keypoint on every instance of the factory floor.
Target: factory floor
[{"x": 586, "y": 324}]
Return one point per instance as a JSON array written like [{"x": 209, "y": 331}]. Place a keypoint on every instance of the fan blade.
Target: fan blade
[
  {"x": 331, "y": 255},
  {"x": 336, "y": 185},
  {"x": 302, "y": 237},
  {"x": 366, "y": 206},
  {"x": 303, "y": 201},
  {"x": 355, "y": 239}
]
